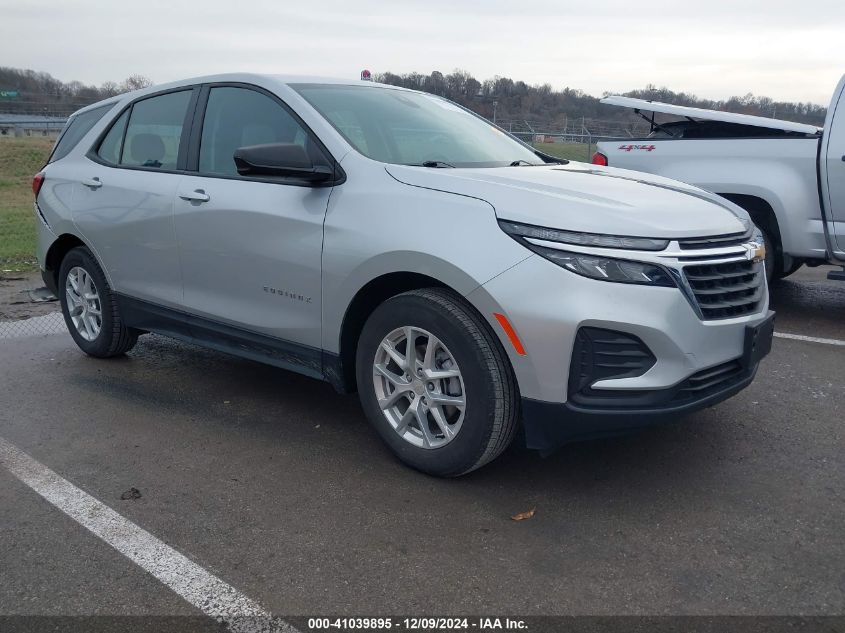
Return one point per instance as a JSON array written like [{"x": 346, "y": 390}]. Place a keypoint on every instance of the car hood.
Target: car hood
[{"x": 587, "y": 198}]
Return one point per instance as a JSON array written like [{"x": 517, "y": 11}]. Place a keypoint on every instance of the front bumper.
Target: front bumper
[
  {"x": 551, "y": 424},
  {"x": 547, "y": 306}
]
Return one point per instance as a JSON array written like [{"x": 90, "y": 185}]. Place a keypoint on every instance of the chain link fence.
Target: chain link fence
[
  {"x": 24, "y": 302},
  {"x": 52, "y": 323},
  {"x": 576, "y": 140},
  {"x": 20, "y": 159},
  {"x": 25, "y": 308}
]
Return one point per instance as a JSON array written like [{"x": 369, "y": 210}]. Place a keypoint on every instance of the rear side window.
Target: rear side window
[
  {"x": 153, "y": 132},
  {"x": 76, "y": 128},
  {"x": 112, "y": 145},
  {"x": 239, "y": 117}
]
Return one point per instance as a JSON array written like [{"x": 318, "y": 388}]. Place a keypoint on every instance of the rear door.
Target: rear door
[
  {"x": 832, "y": 167},
  {"x": 123, "y": 199},
  {"x": 250, "y": 247}
]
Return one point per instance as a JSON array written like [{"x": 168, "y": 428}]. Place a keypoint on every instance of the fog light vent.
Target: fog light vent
[{"x": 604, "y": 354}]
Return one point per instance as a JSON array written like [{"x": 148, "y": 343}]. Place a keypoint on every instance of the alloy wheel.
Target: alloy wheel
[
  {"x": 83, "y": 303},
  {"x": 419, "y": 387}
]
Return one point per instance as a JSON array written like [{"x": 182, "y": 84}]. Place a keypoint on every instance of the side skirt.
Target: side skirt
[{"x": 303, "y": 359}]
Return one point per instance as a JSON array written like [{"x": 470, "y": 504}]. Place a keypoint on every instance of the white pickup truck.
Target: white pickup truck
[{"x": 790, "y": 177}]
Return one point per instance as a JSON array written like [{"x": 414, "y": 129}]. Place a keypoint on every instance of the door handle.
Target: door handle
[
  {"x": 197, "y": 195},
  {"x": 94, "y": 183}
]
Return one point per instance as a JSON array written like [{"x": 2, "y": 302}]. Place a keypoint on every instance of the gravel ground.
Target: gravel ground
[{"x": 15, "y": 300}]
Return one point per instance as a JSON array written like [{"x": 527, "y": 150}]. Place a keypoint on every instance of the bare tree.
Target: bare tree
[
  {"x": 135, "y": 82},
  {"x": 39, "y": 92},
  {"x": 109, "y": 89}
]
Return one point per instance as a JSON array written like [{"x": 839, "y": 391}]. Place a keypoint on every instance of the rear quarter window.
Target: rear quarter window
[
  {"x": 77, "y": 127},
  {"x": 112, "y": 146}
]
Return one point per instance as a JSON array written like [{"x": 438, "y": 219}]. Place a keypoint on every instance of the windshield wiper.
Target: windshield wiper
[
  {"x": 435, "y": 163},
  {"x": 548, "y": 159},
  {"x": 522, "y": 161}
]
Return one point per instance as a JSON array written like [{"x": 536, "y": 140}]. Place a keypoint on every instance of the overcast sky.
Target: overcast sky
[{"x": 786, "y": 49}]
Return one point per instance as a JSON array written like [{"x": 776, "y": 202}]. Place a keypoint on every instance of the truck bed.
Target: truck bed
[{"x": 779, "y": 172}]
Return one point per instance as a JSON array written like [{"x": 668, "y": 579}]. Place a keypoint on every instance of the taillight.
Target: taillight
[
  {"x": 599, "y": 159},
  {"x": 37, "y": 181}
]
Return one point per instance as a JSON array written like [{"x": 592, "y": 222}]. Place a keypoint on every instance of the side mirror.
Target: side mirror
[{"x": 282, "y": 160}]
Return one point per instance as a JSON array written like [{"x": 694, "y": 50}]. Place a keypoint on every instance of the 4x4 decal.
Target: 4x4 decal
[{"x": 628, "y": 148}]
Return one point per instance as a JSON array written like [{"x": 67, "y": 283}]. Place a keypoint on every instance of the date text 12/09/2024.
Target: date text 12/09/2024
[{"x": 418, "y": 624}]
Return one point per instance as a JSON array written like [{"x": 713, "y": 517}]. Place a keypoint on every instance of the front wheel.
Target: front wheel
[
  {"x": 772, "y": 259},
  {"x": 435, "y": 383},
  {"x": 786, "y": 272},
  {"x": 89, "y": 307}
]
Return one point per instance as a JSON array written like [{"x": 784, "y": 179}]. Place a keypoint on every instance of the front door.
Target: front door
[
  {"x": 833, "y": 166},
  {"x": 251, "y": 248}
]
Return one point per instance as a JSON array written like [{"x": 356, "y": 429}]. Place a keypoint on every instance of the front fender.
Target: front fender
[{"x": 377, "y": 226}]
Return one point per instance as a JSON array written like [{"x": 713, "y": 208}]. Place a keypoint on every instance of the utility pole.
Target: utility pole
[{"x": 495, "y": 103}]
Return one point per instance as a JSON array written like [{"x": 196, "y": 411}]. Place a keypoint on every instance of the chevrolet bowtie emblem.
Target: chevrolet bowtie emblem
[{"x": 755, "y": 252}]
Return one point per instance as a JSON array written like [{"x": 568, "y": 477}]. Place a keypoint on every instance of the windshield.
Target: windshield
[{"x": 412, "y": 128}]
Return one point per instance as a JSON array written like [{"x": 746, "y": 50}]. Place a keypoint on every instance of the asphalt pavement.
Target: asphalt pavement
[{"x": 276, "y": 485}]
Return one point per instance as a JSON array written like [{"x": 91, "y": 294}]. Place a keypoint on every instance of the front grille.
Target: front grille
[
  {"x": 724, "y": 291},
  {"x": 717, "y": 241}
]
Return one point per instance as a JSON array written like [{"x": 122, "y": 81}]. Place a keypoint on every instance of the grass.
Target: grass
[
  {"x": 20, "y": 160},
  {"x": 570, "y": 151}
]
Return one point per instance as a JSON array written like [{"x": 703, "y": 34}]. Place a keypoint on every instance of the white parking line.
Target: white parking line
[
  {"x": 202, "y": 589},
  {"x": 810, "y": 339}
]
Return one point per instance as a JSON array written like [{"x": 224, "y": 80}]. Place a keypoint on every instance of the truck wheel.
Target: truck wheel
[
  {"x": 435, "y": 383},
  {"x": 773, "y": 266},
  {"x": 89, "y": 307},
  {"x": 796, "y": 264}
]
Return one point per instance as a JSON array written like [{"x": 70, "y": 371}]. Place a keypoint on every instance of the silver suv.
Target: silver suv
[{"x": 394, "y": 243}]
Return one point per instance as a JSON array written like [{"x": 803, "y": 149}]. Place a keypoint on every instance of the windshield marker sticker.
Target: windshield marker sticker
[{"x": 628, "y": 148}]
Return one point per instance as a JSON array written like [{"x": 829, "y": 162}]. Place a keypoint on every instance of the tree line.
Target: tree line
[
  {"x": 517, "y": 100},
  {"x": 41, "y": 93}
]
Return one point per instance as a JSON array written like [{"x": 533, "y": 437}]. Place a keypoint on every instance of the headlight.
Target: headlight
[
  {"x": 583, "y": 239},
  {"x": 595, "y": 266},
  {"x": 607, "y": 268}
]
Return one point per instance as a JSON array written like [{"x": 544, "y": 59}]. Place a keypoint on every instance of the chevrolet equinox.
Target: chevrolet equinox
[{"x": 394, "y": 243}]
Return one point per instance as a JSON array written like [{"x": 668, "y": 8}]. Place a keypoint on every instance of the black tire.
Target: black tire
[
  {"x": 773, "y": 260},
  {"x": 492, "y": 397},
  {"x": 114, "y": 338},
  {"x": 796, "y": 264}
]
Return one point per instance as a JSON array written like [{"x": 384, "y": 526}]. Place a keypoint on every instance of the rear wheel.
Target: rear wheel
[
  {"x": 89, "y": 307},
  {"x": 435, "y": 383}
]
